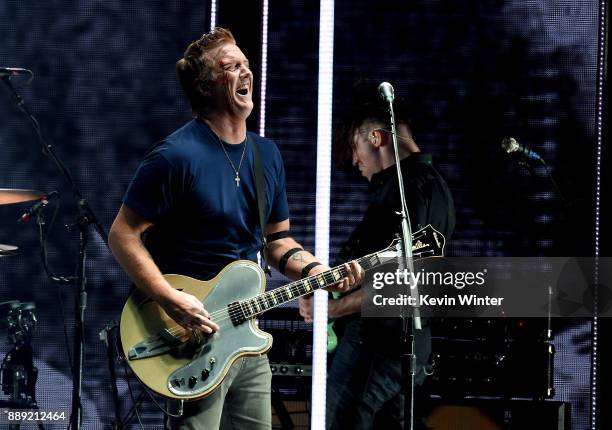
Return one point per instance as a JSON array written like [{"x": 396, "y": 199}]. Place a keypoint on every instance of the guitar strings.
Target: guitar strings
[
  {"x": 294, "y": 287},
  {"x": 235, "y": 311}
]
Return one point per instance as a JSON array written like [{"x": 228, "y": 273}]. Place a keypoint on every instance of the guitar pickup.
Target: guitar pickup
[{"x": 156, "y": 344}]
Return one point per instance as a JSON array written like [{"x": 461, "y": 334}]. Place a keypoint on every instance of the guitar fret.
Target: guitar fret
[
  {"x": 306, "y": 286},
  {"x": 336, "y": 275},
  {"x": 268, "y": 305},
  {"x": 321, "y": 281},
  {"x": 244, "y": 316}
]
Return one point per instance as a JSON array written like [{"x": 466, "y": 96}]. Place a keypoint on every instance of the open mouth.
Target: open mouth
[{"x": 243, "y": 91}]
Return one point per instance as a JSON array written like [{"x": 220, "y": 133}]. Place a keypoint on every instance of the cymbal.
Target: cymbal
[
  {"x": 6, "y": 250},
  {"x": 9, "y": 196}
]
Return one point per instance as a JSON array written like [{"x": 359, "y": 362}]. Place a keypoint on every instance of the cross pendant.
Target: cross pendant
[{"x": 237, "y": 179}]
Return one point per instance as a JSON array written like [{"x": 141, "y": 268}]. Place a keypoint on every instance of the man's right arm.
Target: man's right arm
[{"x": 125, "y": 241}]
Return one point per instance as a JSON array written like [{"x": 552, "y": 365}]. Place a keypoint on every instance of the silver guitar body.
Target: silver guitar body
[{"x": 239, "y": 281}]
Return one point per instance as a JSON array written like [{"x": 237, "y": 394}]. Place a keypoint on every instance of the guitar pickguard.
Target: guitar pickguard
[{"x": 212, "y": 361}]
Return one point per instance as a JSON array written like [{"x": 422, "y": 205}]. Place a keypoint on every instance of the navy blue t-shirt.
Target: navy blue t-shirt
[{"x": 202, "y": 221}]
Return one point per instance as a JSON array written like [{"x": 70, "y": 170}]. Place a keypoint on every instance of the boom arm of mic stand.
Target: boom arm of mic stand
[{"x": 48, "y": 150}]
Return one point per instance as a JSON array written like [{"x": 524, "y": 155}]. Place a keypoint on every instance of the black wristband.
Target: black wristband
[
  {"x": 282, "y": 264},
  {"x": 307, "y": 268},
  {"x": 276, "y": 236}
]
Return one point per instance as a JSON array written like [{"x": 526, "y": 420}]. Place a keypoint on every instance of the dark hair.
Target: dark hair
[
  {"x": 195, "y": 69},
  {"x": 366, "y": 105}
]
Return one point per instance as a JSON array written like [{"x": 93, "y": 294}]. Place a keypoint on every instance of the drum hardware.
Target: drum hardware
[
  {"x": 110, "y": 337},
  {"x": 85, "y": 218},
  {"x": 7, "y": 250},
  {"x": 18, "y": 375},
  {"x": 11, "y": 196}
]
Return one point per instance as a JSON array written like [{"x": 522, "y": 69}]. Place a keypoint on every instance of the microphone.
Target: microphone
[
  {"x": 386, "y": 92},
  {"x": 33, "y": 210},
  {"x": 14, "y": 71},
  {"x": 510, "y": 145}
]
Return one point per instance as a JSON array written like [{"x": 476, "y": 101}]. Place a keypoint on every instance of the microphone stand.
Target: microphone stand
[
  {"x": 409, "y": 323},
  {"x": 85, "y": 218}
]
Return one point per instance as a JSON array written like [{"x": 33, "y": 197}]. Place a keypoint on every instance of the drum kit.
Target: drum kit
[
  {"x": 18, "y": 374},
  {"x": 11, "y": 196},
  {"x": 85, "y": 219}
]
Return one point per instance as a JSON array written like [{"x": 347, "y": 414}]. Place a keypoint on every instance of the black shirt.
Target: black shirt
[{"x": 429, "y": 201}]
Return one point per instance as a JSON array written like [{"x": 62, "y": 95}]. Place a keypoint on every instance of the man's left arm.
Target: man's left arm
[{"x": 292, "y": 260}]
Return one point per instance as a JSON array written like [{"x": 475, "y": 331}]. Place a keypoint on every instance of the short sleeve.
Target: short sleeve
[
  {"x": 280, "y": 208},
  {"x": 155, "y": 188}
]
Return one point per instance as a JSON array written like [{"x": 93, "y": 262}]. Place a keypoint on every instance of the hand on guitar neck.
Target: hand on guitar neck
[
  {"x": 354, "y": 276},
  {"x": 336, "y": 308}
]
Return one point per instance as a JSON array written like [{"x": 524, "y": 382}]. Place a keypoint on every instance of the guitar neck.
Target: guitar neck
[
  {"x": 245, "y": 309},
  {"x": 271, "y": 299}
]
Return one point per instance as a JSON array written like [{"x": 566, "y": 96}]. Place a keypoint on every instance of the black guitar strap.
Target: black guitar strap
[{"x": 262, "y": 198}]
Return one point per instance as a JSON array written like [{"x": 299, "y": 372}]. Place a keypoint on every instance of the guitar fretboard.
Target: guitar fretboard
[
  {"x": 270, "y": 299},
  {"x": 245, "y": 309}
]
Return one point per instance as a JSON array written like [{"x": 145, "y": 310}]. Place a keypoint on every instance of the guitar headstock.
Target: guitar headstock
[{"x": 427, "y": 242}]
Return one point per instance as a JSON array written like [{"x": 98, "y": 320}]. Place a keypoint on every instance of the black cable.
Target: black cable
[
  {"x": 554, "y": 183},
  {"x": 164, "y": 411},
  {"x": 63, "y": 315},
  {"x": 57, "y": 280}
]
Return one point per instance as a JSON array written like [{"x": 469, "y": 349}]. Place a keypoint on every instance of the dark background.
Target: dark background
[{"x": 473, "y": 72}]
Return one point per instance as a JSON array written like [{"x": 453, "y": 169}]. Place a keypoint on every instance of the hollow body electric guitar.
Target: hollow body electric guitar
[{"x": 180, "y": 364}]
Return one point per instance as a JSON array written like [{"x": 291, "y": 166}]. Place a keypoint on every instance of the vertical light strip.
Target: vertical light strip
[
  {"x": 264, "y": 68},
  {"x": 600, "y": 113},
  {"x": 324, "y": 130},
  {"x": 213, "y": 13}
]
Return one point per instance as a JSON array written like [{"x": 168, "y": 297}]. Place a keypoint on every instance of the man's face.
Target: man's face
[
  {"x": 366, "y": 156},
  {"x": 233, "y": 86}
]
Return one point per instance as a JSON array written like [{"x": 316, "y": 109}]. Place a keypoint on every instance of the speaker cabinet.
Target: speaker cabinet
[{"x": 498, "y": 415}]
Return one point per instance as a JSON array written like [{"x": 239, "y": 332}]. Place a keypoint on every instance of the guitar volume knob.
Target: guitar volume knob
[
  {"x": 192, "y": 381},
  {"x": 205, "y": 374}
]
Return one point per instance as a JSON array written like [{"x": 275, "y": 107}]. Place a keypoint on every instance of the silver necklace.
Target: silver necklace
[{"x": 236, "y": 171}]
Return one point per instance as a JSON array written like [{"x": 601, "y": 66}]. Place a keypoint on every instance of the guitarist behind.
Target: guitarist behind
[
  {"x": 194, "y": 197},
  {"x": 364, "y": 382}
]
